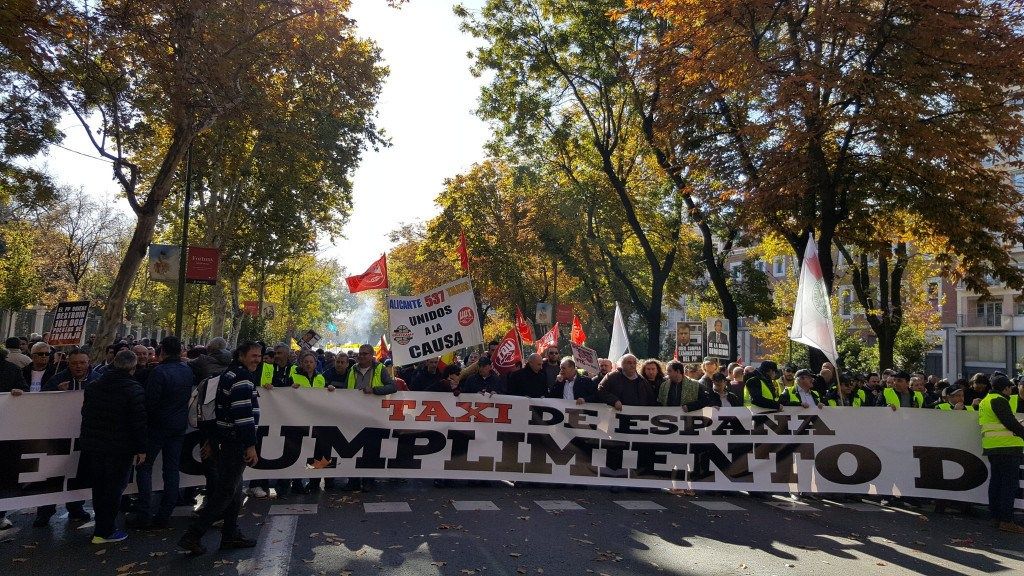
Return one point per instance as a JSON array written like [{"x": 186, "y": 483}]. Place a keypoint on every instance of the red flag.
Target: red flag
[
  {"x": 382, "y": 351},
  {"x": 548, "y": 340},
  {"x": 509, "y": 355},
  {"x": 525, "y": 330},
  {"x": 375, "y": 277},
  {"x": 463, "y": 252},
  {"x": 577, "y": 336}
]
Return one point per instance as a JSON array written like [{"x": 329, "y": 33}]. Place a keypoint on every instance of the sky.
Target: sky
[{"x": 426, "y": 108}]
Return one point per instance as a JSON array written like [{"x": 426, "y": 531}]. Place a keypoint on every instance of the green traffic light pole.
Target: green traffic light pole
[{"x": 179, "y": 311}]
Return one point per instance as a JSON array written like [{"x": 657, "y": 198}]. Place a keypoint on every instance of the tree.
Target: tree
[
  {"x": 84, "y": 230},
  {"x": 559, "y": 95},
  {"x": 828, "y": 115},
  {"x": 174, "y": 69}
]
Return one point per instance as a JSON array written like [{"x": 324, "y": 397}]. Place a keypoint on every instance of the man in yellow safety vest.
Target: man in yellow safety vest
[{"x": 1002, "y": 441}]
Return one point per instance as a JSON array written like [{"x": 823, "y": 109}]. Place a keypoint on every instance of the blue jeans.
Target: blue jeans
[{"x": 170, "y": 447}]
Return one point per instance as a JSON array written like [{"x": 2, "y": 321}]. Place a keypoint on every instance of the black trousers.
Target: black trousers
[
  {"x": 1004, "y": 484},
  {"x": 108, "y": 474},
  {"x": 225, "y": 497}
]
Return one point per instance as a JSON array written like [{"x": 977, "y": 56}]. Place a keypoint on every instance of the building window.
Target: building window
[
  {"x": 989, "y": 313},
  {"x": 1019, "y": 305},
  {"x": 759, "y": 265},
  {"x": 984, "y": 349},
  {"x": 779, "y": 266}
]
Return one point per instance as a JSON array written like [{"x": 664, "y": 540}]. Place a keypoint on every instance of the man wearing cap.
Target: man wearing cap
[
  {"x": 1002, "y": 441},
  {"x": 954, "y": 400},
  {"x": 759, "y": 387},
  {"x": 900, "y": 395},
  {"x": 788, "y": 375},
  {"x": 845, "y": 394},
  {"x": 803, "y": 393}
]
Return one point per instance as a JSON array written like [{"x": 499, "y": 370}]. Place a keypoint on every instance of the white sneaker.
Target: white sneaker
[
  {"x": 258, "y": 492},
  {"x": 5, "y": 524}
]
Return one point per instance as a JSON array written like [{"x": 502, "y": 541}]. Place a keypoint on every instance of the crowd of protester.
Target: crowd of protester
[{"x": 136, "y": 403}]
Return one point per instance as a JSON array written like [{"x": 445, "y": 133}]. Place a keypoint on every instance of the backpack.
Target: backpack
[{"x": 202, "y": 402}]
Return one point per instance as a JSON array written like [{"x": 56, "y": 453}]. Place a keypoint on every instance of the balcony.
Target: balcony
[{"x": 990, "y": 322}]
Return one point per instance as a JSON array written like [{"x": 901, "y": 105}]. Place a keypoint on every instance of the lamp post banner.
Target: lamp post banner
[{"x": 870, "y": 451}]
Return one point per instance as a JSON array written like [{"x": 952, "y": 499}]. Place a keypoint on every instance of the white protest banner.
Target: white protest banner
[
  {"x": 69, "y": 324},
  {"x": 442, "y": 320},
  {"x": 586, "y": 359},
  {"x": 423, "y": 435}
]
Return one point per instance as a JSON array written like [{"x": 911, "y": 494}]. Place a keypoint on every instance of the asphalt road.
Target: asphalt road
[{"x": 414, "y": 528}]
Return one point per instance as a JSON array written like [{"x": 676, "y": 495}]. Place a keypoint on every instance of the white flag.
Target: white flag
[
  {"x": 812, "y": 318},
  {"x": 620, "y": 339}
]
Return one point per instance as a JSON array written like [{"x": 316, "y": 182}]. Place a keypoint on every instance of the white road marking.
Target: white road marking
[
  {"x": 274, "y": 550},
  {"x": 793, "y": 506},
  {"x": 639, "y": 505},
  {"x": 551, "y": 505},
  {"x": 385, "y": 507},
  {"x": 716, "y": 505},
  {"x": 469, "y": 505},
  {"x": 290, "y": 509},
  {"x": 865, "y": 507},
  {"x": 1016, "y": 553}
]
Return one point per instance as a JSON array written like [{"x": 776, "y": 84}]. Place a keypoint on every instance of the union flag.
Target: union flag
[{"x": 375, "y": 277}]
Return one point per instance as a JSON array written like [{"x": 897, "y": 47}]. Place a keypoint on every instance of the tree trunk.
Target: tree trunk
[
  {"x": 886, "y": 348},
  {"x": 147, "y": 213},
  {"x": 113, "y": 312},
  {"x": 218, "y": 307}
]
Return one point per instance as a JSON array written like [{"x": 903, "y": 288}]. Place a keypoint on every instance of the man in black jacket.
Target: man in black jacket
[
  {"x": 11, "y": 378},
  {"x": 571, "y": 385},
  {"x": 113, "y": 438},
  {"x": 530, "y": 380},
  {"x": 168, "y": 390},
  {"x": 760, "y": 386}
]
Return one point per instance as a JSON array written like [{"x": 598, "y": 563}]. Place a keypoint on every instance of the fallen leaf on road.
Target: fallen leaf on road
[
  {"x": 126, "y": 567},
  {"x": 101, "y": 552},
  {"x": 19, "y": 559},
  {"x": 438, "y": 563},
  {"x": 879, "y": 563},
  {"x": 514, "y": 554},
  {"x": 157, "y": 554},
  {"x": 467, "y": 571}
]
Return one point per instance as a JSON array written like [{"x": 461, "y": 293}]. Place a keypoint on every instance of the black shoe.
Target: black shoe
[
  {"x": 41, "y": 521},
  {"x": 237, "y": 542},
  {"x": 192, "y": 545}
]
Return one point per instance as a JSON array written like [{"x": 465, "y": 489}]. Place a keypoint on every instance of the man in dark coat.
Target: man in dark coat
[
  {"x": 571, "y": 385},
  {"x": 625, "y": 386},
  {"x": 113, "y": 438},
  {"x": 168, "y": 390},
  {"x": 530, "y": 381},
  {"x": 75, "y": 377},
  {"x": 11, "y": 378}
]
